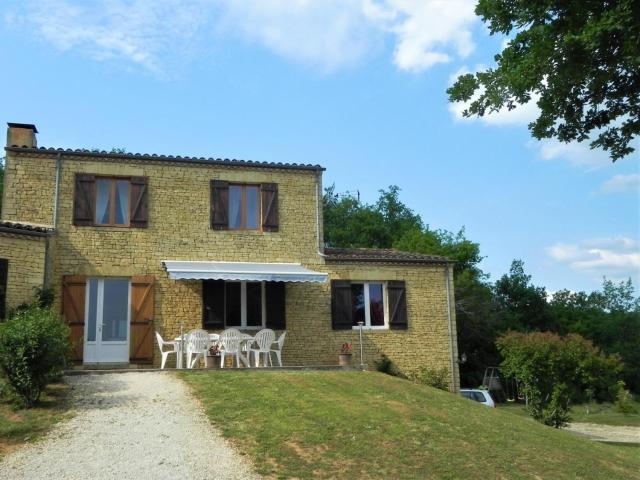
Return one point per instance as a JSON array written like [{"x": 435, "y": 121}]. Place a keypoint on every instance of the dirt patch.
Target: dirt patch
[
  {"x": 606, "y": 433},
  {"x": 309, "y": 454}
]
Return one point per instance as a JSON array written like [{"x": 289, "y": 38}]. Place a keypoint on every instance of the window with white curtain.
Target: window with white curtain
[{"x": 112, "y": 201}]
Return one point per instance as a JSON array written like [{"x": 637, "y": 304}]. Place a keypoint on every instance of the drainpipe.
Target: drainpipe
[
  {"x": 453, "y": 360},
  {"x": 57, "y": 194},
  {"x": 318, "y": 207},
  {"x": 47, "y": 246}
]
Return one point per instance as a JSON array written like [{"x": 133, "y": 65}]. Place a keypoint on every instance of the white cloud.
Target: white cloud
[
  {"x": 577, "y": 154},
  {"x": 614, "y": 257},
  {"x": 622, "y": 183},
  {"x": 139, "y": 31},
  {"x": 328, "y": 34},
  {"x": 430, "y": 32}
]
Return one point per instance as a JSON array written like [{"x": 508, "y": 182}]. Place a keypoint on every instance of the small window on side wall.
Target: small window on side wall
[{"x": 378, "y": 305}]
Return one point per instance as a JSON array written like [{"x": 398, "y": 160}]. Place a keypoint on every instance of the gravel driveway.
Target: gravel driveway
[
  {"x": 607, "y": 433},
  {"x": 130, "y": 425}
]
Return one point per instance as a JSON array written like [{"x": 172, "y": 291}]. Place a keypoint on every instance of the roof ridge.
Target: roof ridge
[
  {"x": 381, "y": 255},
  {"x": 163, "y": 157}
]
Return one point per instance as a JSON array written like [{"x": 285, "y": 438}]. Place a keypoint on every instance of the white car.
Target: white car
[{"x": 480, "y": 396}]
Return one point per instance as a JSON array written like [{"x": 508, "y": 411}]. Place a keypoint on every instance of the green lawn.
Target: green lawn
[
  {"x": 603, "y": 413},
  {"x": 18, "y": 426},
  {"x": 369, "y": 425}
]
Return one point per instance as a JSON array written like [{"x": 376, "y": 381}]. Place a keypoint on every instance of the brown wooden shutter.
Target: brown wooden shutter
[
  {"x": 269, "y": 207},
  {"x": 396, "y": 293},
  {"x": 275, "y": 305},
  {"x": 341, "y": 309},
  {"x": 139, "y": 213},
  {"x": 219, "y": 205},
  {"x": 4, "y": 274},
  {"x": 73, "y": 296},
  {"x": 84, "y": 200},
  {"x": 142, "y": 308},
  {"x": 213, "y": 304}
]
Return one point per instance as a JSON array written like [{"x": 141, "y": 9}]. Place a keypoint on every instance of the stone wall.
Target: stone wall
[
  {"x": 26, "y": 266},
  {"x": 179, "y": 229},
  {"x": 29, "y": 189}
]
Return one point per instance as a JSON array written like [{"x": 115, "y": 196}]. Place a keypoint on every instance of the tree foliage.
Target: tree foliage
[
  {"x": 521, "y": 305},
  {"x": 34, "y": 344},
  {"x": 578, "y": 59},
  {"x": 554, "y": 370},
  {"x": 610, "y": 318}
]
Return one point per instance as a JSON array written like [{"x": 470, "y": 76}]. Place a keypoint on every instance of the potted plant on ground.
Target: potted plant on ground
[
  {"x": 212, "y": 358},
  {"x": 345, "y": 356}
]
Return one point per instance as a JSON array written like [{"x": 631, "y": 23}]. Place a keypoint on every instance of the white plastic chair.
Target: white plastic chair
[
  {"x": 230, "y": 340},
  {"x": 197, "y": 345},
  {"x": 165, "y": 353},
  {"x": 263, "y": 339},
  {"x": 277, "y": 350}
]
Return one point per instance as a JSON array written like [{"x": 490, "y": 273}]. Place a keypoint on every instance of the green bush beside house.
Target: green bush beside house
[{"x": 34, "y": 345}]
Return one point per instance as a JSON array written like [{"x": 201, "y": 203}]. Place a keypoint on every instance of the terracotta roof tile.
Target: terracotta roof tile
[
  {"x": 24, "y": 228},
  {"x": 167, "y": 158},
  {"x": 388, "y": 255}
]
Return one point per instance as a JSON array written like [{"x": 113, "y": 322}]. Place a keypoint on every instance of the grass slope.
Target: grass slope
[
  {"x": 18, "y": 426},
  {"x": 370, "y": 425}
]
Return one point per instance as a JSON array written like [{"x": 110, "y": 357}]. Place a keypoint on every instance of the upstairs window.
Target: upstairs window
[
  {"x": 112, "y": 201},
  {"x": 244, "y": 207}
]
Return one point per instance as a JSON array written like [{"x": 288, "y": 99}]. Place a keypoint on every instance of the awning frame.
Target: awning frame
[{"x": 242, "y": 271}]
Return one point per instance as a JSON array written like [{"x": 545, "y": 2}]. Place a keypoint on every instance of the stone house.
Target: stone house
[{"x": 134, "y": 243}]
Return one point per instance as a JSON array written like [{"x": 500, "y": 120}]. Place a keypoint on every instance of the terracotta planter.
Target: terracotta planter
[
  {"x": 212, "y": 361},
  {"x": 345, "y": 359}
]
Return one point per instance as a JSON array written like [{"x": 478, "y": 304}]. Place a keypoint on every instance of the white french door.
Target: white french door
[{"x": 107, "y": 320}]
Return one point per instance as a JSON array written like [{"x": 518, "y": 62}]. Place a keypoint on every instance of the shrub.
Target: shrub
[
  {"x": 556, "y": 412},
  {"x": 34, "y": 344},
  {"x": 433, "y": 377},
  {"x": 386, "y": 365},
  {"x": 554, "y": 370},
  {"x": 624, "y": 400}
]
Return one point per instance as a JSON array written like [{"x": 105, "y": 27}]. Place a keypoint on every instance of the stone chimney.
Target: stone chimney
[{"x": 21, "y": 135}]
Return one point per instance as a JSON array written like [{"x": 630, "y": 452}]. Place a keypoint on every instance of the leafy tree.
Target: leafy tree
[
  {"x": 578, "y": 59},
  {"x": 554, "y": 370},
  {"x": 350, "y": 223},
  {"x": 610, "y": 318},
  {"x": 521, "y": 305}
]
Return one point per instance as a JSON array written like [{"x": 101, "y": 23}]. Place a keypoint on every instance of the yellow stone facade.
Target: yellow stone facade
[
  {"x": 26, "y": 267},
  {"x": 179, "y": 229}
]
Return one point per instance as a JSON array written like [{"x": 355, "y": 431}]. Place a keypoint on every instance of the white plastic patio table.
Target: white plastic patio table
[{"x": 214, "y": 337}]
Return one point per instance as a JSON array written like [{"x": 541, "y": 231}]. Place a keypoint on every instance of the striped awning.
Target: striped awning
[{"x": 247, "y": 271}]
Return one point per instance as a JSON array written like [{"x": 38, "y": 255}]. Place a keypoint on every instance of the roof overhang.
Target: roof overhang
[{"x": 247, "y": 271}]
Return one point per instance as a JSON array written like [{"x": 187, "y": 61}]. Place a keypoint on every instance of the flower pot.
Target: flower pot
[
  {"x": 344, "y": 359},
  {"x": 212, "y": 361}
]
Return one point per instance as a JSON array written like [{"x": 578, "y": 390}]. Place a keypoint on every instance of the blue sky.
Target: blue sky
[{"x": 357, "y": 86}]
